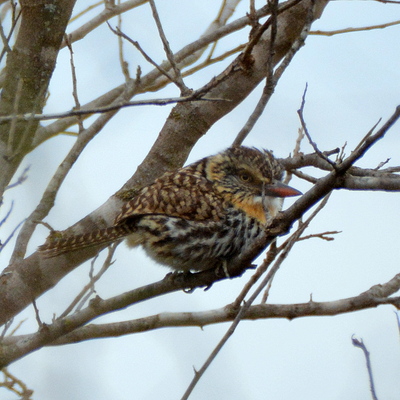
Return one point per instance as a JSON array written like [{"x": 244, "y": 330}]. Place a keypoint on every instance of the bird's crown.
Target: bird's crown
[{"x": 243, "y": 167}]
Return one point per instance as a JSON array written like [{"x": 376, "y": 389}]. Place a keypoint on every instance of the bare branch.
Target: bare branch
[
  {"x": 300, "y": 112},
  {"x": 35, "y": 73},
  {"x": 360, "y": 344},
  {"x": 153, "y": 80},
  {"x": 210, "y": 60},
  {"x": 273, "y": 78},
  {"x": 21, "y": 179},
  {"x": 122, "y": 61},
  {"x": 15, "y": 385},
  {"x": 322, "y": 235},
  {"x": 74, "y": 83},
  {"x": 398, "y": 321},
  {"x": 37, "y": 314},
  {"x": 382, "y": 183},
  {"x": 178, "y": 77},
  {"x": 115, "y": 106},
  {"x": 15, "y": 18},
  {"x": 270, "y": 81},
  {"x": 117, "y": 32},
  {"x": 47, "y": 201},
  {"x": 371, "y": 298},
  {"x": 89, "y": 289},
  {"x": 13, "y": 232},
  {"x": 365, "y": 28},
  {"x": 369, "y": 141},
  {"x": 108, "y": 13}
]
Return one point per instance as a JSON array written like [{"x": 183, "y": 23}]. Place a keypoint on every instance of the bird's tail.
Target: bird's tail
[{"x": 57, "y": 244}]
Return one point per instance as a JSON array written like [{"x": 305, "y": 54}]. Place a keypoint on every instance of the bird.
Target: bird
[{"x": 198, "y": 217}]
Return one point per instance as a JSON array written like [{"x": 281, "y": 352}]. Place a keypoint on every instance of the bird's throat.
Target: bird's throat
[{"x": 252, "y": 209}]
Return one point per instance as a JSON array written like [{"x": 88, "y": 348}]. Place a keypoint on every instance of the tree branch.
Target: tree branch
[
  {"x": 30, "y": 64},
  {"x": 371, "y": 298},
  {"x": 154, "y": 80}
]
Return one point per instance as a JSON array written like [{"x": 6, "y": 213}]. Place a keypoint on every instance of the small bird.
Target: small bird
[{"x": 198, "y": 217}]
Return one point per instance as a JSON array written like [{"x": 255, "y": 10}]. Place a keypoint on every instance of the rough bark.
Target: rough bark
[{"x": 29, "y": 68}]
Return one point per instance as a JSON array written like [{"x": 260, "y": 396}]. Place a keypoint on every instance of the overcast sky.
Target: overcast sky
[{"x": 353, "y": 81}]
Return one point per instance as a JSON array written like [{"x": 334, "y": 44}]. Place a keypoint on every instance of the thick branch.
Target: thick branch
[
  {"x": 370, "y": 299},
  {"x": 28, "y": 71}
]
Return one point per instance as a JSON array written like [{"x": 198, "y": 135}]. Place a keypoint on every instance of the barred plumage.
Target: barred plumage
[{"x": 199, "y": 216}]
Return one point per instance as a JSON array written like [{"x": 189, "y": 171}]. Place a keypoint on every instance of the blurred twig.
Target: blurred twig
[
  {"x": 360, "y": 344},
  {"x": 350, "y": 30},
  {"x": 170, "y": 55},
  {"x": 15, "y": 385},
  {"x": 89, "y": 289}
]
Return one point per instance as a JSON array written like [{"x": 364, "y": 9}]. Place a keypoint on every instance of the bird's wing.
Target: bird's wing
[{"x": 180, "y": 194}]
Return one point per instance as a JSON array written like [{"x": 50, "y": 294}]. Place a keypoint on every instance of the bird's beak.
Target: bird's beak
[{"x": 279, "y": 189}]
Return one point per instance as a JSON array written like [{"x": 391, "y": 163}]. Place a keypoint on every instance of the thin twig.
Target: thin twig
[
  {"x": 5, "y": 218},
  {"x": 11, "y": 381},
  {"x": 122, "y": 61},
  {"x": 21, "y": 179},
  {"x": 6, "y": 327},
  {"x": 48, "y": 198},
  {"x": 267, "y": 291},
  {"x": 341, "y": 155},
  {"x": 272, "y": 253},
  {"x": 381, "y": 164},
  {"x": 37, "y": 315},
  {"x": 368, "y": 141},
  {"x": 14, "y": 118},
  {"x": 170, "y": 55},
  {"x": 361, "y": 29},
  {"x": 273, "y": 81},
  {"x": 142, "y": 52},
  {"x": 6, "y": 40},
  {"x": 153, "y": 80},
  {"x": 322, "y": 235},
  {"x": 74, "y": 83},
  {"x": 209, "y": 61},
  {"x": 87, "y": 9},
  {"x": 6, "y": 46},
  {"x": 270, "y": 83},
  {"x": 360, "y": 344},
  {"x": 398, "y": 321},
  {"x": 115, "y": 106},
  {"x": 11, "y": 235},
  {"x": 297, "y": 147},
  {"x": 300, "y": 112},
  {"x": 304, "y": 176},
  {"x": 296, "y": 153},
  {"x": 89, "y": 289}
]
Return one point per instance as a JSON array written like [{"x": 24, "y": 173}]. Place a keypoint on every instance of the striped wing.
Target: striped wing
[{"x": 185, "y": 194}]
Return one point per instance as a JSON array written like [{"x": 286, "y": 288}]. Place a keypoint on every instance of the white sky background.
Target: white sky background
[{"x": 354, "y": 79}]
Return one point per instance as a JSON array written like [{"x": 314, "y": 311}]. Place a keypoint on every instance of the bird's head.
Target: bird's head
[{"x": 250, "y": 178}]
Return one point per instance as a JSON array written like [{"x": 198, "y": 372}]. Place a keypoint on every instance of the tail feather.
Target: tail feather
[{"x": 55, "y": 246}]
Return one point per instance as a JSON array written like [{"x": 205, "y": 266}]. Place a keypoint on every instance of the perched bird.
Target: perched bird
[{"x": 198, "y": 217}]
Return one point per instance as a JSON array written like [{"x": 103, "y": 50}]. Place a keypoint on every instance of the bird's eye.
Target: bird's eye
[{"x": 245, "y": 177}]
